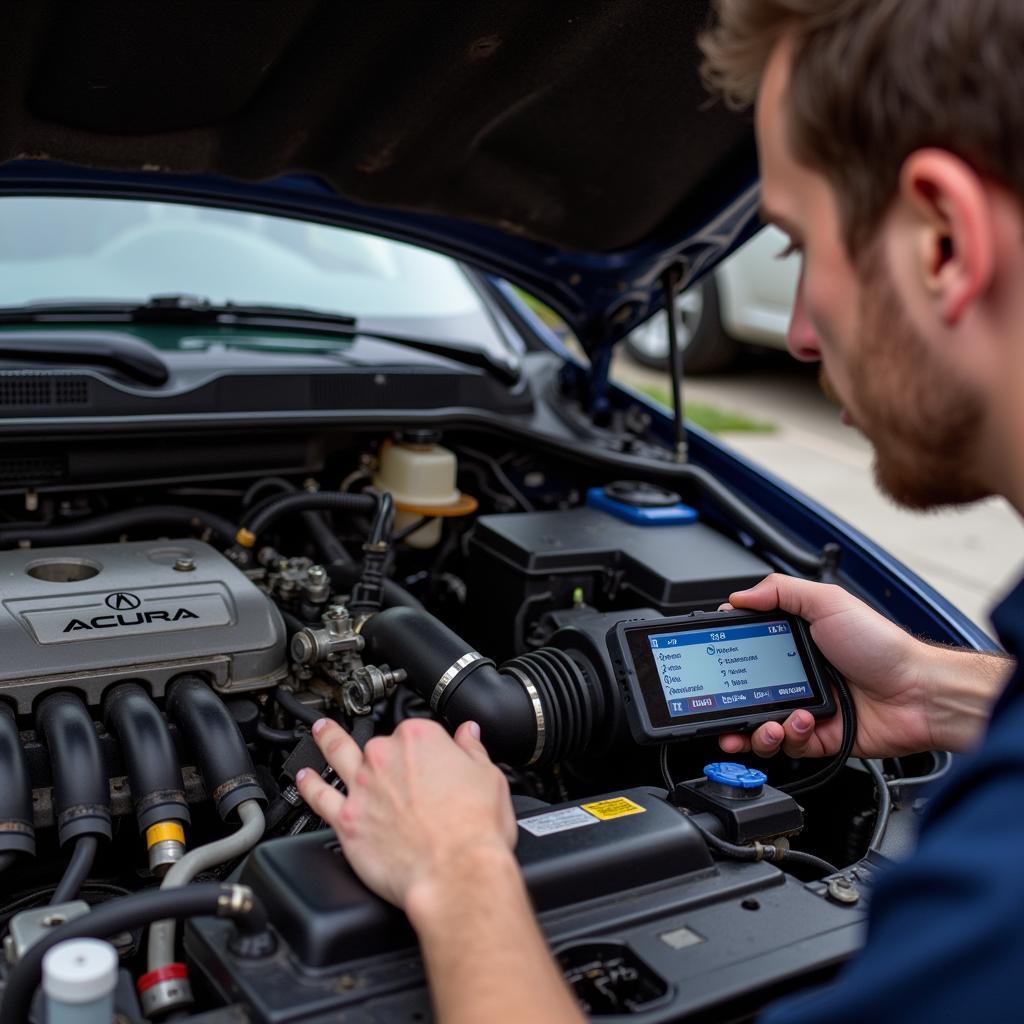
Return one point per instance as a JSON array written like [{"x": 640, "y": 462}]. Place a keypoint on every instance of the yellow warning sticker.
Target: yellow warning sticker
[{"x": 616, "y": 807}]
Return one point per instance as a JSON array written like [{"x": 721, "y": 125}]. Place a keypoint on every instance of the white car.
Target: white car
[{"x": 746, "y": 300}]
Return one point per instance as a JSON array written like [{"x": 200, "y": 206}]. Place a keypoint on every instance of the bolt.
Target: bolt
[
  {"x": 185, "y": 565},
  {"x": 336, "y": 611},
  {"x": 316, "y": 574},
  {"x": 842, "y": 890}
]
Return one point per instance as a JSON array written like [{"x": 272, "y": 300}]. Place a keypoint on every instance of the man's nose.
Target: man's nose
[{"x": 801, "y": 338}]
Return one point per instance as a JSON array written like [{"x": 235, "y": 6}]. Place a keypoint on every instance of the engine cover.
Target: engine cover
[{"x": 86, "y": 616}]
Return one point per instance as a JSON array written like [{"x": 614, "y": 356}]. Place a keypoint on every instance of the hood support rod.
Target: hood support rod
[{"x": 669, "y": 280}]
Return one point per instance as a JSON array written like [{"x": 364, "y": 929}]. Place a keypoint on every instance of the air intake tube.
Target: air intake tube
[
  {"x": 216, "y": 742},
  {"x": 16, "y": 832},
  {"x": 81, "y": 793},
  {"x": 154, "y": 775},
  {"x": 538, "y": 708}
]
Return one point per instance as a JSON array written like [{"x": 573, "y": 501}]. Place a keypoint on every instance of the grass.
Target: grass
[{"x": 710, "y": 417}]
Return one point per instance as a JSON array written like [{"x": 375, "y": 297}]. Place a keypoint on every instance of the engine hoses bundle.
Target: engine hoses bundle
[
  {"x": 368, "y": 592},
  {"x": 236, "y": 902}
]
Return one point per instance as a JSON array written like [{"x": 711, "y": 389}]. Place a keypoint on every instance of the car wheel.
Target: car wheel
[{"x": 703, "y": 342}]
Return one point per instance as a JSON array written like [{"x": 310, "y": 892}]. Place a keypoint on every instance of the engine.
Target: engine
[{"x": 162, "y": 666}]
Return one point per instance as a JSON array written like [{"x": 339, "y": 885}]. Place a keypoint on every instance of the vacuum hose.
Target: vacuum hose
[
  {"x": 154, "y": 775},
  {"x": 16, "y": 832},
  {"x": 538, "y": 708}
]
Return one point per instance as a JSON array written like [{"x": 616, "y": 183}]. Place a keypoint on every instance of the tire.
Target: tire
[{"x": 705, "y": 346}]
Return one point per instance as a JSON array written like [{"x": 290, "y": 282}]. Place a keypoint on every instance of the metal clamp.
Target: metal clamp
[
  {"x": 453, "y": 670},
  {"x": 538, "y": 710}
]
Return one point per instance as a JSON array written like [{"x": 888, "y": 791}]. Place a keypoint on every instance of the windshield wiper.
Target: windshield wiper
[{"x": 191, "y": 309}]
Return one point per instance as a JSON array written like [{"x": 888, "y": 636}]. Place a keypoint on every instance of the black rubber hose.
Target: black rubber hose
[
  {"x": 154, "y": 774},
  {"x": 114, "y": 523},
  {"x": 431, "y": 655},
  {"x": 278, "y": 737},
  {"x": 81, "y": 793},
  {"x": 291, "y": 705},
  {"x": 345, "y": 577},
  {"x": 16, "y": 832},
  {"x": 330, "y": 548},
  {"x": 6, "y": 860},
  {"x": 216, "y": 743},
  {"x": 269, "y": 513},
  {"x": 77, "y": 871},
  {"x": 125, "y": 914}
]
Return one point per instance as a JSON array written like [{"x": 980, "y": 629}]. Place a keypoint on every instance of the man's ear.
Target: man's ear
[{"x": 954, "y": 237}]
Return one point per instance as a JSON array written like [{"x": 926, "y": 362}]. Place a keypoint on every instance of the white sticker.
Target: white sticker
[{"x": 557, "y": 821}]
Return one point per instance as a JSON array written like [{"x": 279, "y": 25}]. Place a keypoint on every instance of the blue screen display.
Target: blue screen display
[{"x": 734, "y": 667}]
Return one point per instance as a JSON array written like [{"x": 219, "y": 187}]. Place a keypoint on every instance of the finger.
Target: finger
[
  {"x": 340, "y": 751},
  {"x": 324, "y": 800},
  {"x": 726, "y": 607},
  {"x": 767, "y": 739},
  {"x": 734, "y": 744},
  {"x": 467, "y": 737},
  {"x": 799, "y": 729}
]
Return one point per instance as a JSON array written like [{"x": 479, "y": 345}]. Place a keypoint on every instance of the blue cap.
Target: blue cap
[{"x": 729, "y": 773}]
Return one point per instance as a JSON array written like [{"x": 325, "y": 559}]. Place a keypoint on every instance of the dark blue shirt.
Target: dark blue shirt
[{"x": 946, "y": 927}]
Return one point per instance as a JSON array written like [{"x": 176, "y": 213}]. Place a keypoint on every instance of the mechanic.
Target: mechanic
[{"x": 892, "y": 153}]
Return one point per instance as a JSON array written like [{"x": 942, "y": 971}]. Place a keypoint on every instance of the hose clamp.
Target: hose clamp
[
  {"x": 538, "y": 710},
  {"x": 450, "y": 673}
]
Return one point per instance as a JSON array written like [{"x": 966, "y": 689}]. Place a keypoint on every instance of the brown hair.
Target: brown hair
[{"x": 874, "y": 80}]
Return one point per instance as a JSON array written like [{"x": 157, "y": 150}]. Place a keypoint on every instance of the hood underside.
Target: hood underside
[{"x": 569, "y": 147}]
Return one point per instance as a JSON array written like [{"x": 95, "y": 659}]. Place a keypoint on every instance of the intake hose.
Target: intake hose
[
  {"x": 537, "y": 708},
  {"x": 16, "y": 832},
  {"x": 154, "y": 774},
  {"x": 216, "y": 742},
  {"x": 114, "y": 523},
  {"x": 81, "y": 793}
]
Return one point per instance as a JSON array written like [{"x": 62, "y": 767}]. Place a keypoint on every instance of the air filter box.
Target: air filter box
[{"x": 525, "y": 564}]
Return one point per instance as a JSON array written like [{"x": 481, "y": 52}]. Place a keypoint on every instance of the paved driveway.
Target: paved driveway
[{"x": 971, "y": 555}]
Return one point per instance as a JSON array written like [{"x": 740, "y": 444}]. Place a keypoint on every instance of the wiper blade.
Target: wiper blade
[{"x": 192, "y": 309}]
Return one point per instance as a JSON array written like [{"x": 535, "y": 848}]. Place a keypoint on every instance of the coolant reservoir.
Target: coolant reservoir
[{"x": 421, "y": 478}]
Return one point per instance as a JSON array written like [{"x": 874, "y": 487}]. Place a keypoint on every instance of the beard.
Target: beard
[{"x": 923, "y": 422}]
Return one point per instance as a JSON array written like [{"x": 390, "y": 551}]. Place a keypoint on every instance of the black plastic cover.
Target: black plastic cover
[
  {"x": 327, "y": 916},
  {"x": 539, "y": 558}
]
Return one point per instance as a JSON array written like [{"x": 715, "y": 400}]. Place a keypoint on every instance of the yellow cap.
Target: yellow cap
[
  {"x": 163, "y": 831},
  {"x": 245, "y": 537}
]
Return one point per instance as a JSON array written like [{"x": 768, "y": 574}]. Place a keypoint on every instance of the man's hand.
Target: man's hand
[
  {"x": 428, "y": 824},
  {"x": 418, "y": 805},
  {"x": 909, "y": 695}
]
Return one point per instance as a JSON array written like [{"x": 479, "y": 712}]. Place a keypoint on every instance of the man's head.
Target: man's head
[{"x": 891, "y": 141}]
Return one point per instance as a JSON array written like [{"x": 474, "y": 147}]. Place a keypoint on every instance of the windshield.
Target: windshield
[{"x": 69, "y": 249}]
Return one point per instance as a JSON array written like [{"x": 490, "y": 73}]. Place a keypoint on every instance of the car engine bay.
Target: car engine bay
[{"x": 168, "y": 646}]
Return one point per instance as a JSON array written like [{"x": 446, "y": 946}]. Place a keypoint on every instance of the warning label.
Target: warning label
[
  {"x": 616, "y": 807},
  {"x": 557, "y": 821}
]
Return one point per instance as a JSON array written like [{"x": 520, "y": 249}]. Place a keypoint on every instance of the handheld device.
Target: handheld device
[{"x": 708, "y": 673}]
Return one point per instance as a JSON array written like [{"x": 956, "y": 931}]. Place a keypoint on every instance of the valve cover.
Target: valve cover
[{"x": 89, "y": 615}]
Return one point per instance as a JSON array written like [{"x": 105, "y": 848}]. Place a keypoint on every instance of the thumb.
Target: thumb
[
  {"x": 809, "y": 600},
  {"x": 467, "y": 738}
]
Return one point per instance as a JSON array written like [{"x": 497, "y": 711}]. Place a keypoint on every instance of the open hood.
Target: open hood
[{"x": 568, "y": 147}]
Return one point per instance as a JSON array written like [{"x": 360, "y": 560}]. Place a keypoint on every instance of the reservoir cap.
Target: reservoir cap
[{"x": 735, "y": 776}]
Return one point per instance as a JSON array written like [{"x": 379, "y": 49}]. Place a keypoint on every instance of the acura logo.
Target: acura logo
[{"x": 122, "y": 602}]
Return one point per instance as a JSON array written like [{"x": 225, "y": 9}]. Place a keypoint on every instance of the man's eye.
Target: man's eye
[{"x": 792, "y": 249}]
